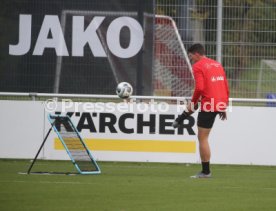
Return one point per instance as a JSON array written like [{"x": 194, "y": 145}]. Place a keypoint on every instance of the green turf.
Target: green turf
[{"x": 137, "y": 186}]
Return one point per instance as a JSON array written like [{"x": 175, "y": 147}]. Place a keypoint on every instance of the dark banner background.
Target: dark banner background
[{"x": 83, "y": 75}]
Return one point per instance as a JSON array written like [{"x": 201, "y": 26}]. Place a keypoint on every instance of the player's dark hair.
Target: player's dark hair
[{"x": 197, "y": 48}]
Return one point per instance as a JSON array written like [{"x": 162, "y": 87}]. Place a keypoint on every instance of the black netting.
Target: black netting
[{"x": 74, "y": 144}]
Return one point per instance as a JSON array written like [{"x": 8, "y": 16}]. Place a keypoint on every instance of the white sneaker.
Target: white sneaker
[{"x": 201, "y": 175}]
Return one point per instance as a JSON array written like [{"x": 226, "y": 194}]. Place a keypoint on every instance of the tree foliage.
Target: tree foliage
[{"x": 248, "y": 29}]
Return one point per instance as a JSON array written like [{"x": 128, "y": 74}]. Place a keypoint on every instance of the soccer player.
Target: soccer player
[{"x": 212, "y": 93}]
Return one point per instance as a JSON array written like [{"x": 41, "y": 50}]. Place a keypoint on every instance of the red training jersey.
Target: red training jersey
[{"x": 211, "y": 86}]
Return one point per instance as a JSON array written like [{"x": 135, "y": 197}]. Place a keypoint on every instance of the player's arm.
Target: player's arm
[
  {"x": 199, "y": 86},
  {"x": 223, "y": 115},
  {"x": 193, "y": 105}
]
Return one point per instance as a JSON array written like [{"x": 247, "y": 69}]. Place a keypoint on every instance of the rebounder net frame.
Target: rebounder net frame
[{"x": 73, "y": 144}]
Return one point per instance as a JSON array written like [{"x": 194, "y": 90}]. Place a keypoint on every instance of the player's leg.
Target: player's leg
[
  {"x": 205, "y": 123},
  {"x": 204, "y": 148}
]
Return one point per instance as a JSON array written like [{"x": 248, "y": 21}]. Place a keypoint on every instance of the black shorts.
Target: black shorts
[{"x": 206, "y": 119}]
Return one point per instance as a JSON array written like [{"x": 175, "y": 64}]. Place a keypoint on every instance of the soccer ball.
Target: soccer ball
[{"x": 124, "y": 90}]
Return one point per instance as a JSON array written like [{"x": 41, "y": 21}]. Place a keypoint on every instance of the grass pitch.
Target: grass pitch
[{"x": 136, "y": 186}]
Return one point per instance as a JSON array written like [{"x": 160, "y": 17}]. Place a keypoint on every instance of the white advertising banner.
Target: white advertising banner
[
  {"x": 128, "y": 132},
  {"x": 22, "y": 128},
  {"x": 138, "y": 132}
]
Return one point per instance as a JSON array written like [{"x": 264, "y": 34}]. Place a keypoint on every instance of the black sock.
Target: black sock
[{"x": 205, "y": 167}]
